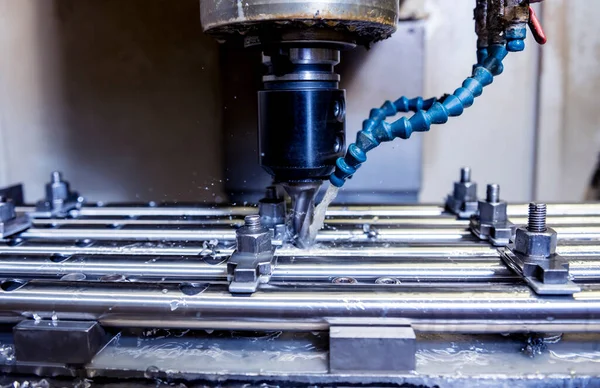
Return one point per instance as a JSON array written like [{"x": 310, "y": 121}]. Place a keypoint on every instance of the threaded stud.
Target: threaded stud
[
  {"x": 252, "y": 221},
  {"x": 465, "y": 174},
  {"x": 493, "y": 193},
  {"x": 56, "y": 177},
  {"x": 537, "y": 217}
]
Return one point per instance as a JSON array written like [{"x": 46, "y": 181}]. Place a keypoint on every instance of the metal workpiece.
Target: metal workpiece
[
  {"x": 491, "y": 220},
  {"x": 10, "y": 222},
  {"x": 356, "y": 21},
  {"x": 371, "y": 345},
  {"x": 533, "y": 255},
  {"x": 463, "y": 200},
  {"x": 251, "y": 262},
  {"x": 54, "y": 341},
  {"x": 59, "y": 200}
]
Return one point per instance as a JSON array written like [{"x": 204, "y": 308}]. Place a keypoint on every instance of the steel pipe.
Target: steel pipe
[
  {"x": 417, "y": 210},
  {"x": 193, "y": 249},
  {"x": 370, "y": 270},
  {"x": 354, "y": 250},
  {"x": 197, "y": 222},
  {"x": 143, "y": 302},
  {"x": 307, "y": 270},
  {"x": 349, "y": 234}
]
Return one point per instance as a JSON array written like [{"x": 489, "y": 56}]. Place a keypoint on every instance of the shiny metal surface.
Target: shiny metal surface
[
  {"x": 404, "y": 261},
  {"x": 307, "y": 270},
  {"x": 352, "y": 250},
  {"x": 106, "y": 301},
  {"x": 306, "y": 56},
  {"x": 362, "y": 234},
  {"x": 196, "y": 221},
  {"x": 374, "y": 19},
  {"x": 471, "y": 269},
  {"x": 164, "y": 269},
  {"x": 418, "y": 210}
]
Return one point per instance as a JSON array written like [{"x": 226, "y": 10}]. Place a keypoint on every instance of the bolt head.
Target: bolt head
[
  {"x": 492, "y": 212},
  {"x": 541, "y": 244},
  {"x": 465, "y": 191}
]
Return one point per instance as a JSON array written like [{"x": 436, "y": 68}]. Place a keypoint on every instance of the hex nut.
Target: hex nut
[
  {"x": 465, "y": 191},
  {"x": 492, "y": 212},
  {"x": 541, "y": 244},
  {"x": 253, "y": 240},
  {"x": 272, "y": 212}
]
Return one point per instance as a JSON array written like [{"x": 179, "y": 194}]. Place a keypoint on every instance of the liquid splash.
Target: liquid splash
[{"x": 318, "y": 220}]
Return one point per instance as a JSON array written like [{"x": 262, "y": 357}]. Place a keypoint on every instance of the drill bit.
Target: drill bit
[{"x": 303, "y": 203}]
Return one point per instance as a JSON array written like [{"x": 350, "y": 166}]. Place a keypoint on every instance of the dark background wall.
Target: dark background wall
[{"x": 123, "y": 96}]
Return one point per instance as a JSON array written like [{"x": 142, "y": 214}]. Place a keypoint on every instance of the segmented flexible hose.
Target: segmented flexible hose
[{"x": 432, "y": 111}]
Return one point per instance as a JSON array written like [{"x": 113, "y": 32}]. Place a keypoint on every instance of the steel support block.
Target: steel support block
[
  {"x": 371, "y": 346},
  {"x": 60, "y": 342}
]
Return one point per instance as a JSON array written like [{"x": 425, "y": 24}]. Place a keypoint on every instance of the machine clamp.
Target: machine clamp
[
  {"x": 533, "y": 256},
  {"x": 491, "y": 220},
  {"x": 252, "y": 262}
]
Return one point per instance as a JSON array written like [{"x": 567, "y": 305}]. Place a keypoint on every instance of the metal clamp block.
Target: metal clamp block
[
  {"x": 272, "y": 211},
  {"x": 499, "y": 234},
  {"x": 13, "y": 194},
  {"x": 533, "y": 256},
  {"x": 491, "y": 221},
  {"x": 59, "y": 200},
  {"x": 246, "y": 271},
  {"x": 463, "y": 200},
  {"x": 251, "y": 263},
  {"x": 546, "y": 276},
  {"x": 10, "y": 223},
  {"x": 63, "y": 342},
  {"x": 378, "y": 345}
]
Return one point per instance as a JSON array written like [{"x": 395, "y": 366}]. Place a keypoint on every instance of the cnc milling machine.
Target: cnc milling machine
[{"x": 471, "y": 291}]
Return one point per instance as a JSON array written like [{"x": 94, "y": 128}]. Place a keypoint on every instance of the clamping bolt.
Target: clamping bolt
[
  {"x": 252, "y": 221},
  {"x": 537, "y": 217},
  {"x": 465, "y": 174},
  {"x": 493, "y": 193}
]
